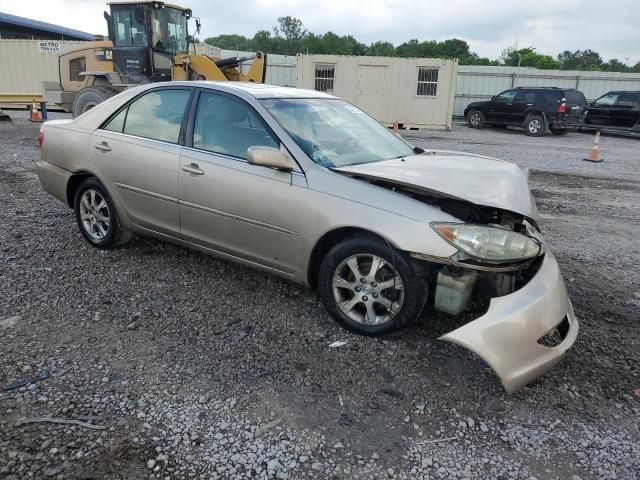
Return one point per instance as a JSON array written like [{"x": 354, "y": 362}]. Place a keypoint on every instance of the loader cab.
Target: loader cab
[{"x": 146, "y": 37}]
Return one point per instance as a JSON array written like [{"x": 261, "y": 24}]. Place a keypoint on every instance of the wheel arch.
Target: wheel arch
[
  {"x": 74, "y": 183},
  {"x": 330, "y": 240},
  {"x": 536, "y": 112}
]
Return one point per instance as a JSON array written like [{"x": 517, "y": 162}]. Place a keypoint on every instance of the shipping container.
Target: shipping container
[{"x": 414, "y": 92}]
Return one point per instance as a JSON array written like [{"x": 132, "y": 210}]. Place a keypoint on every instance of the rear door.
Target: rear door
[
  {"x": 137, "y": 154},
  {"x": 522, "y": 102},
  {"x": 624, "y": 114}
]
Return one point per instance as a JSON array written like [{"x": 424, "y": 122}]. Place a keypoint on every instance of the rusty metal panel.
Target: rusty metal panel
[{"x": 26, "y": 64}]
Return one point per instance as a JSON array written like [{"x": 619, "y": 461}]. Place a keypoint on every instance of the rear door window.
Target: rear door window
[
  {"x": 627, "y": 100},
  {"x": 528, "y": 96},
  {"x": 157, "y": 115},
  {"x": 227, "y": 126}
]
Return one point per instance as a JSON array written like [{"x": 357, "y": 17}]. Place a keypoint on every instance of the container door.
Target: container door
[{"x": 371, "y": 89}]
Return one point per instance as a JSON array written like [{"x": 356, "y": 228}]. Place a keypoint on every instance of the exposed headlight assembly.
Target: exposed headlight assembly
[{"x": 492, "y": 244}]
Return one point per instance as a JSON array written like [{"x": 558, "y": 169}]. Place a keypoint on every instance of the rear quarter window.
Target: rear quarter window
[{"x": 575, "y": 98}]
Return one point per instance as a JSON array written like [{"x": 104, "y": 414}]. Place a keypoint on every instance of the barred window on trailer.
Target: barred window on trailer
[
  {"x": 427, "y": 81},
  {"x": 325, "y": 74}
]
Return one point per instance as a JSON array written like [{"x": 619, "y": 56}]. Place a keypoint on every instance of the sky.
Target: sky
[{"x": 611, "y": 28}]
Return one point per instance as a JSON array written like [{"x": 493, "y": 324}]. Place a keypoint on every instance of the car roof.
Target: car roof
[{"x": 258, "y": 90}]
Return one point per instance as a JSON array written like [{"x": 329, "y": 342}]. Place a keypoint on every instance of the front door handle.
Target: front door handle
[
  {"x": 103, "y": 146},
  {"x": 192, "y": 168}
]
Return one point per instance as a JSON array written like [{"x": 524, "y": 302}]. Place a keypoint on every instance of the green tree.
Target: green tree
[
  {"x": 381, "y": 49},
  {"x": 614, "y": 65},
  {"x": 636, "y": 68},
  {"x": 580, "y": 60},
  {"x": 290, "y": 28},
  {"x": 230, "y": 42}
]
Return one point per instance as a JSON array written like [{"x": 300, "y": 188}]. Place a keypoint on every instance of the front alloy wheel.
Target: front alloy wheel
[
  {"x": 476, "y": 119},
  {"x": 369, "y": 287}
]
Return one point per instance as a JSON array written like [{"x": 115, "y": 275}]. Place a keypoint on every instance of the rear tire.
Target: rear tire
[
  {"x": 97, "y": 216},
  {"x": 89, "y": 97},
  {"x": 534, "y": 125},
  {"x": 365, "y": 302},
  {"x": 475, "y": 119}
]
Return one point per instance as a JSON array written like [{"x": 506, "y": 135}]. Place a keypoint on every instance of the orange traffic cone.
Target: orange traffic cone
[
  {"x": 595, "y": 150},
  {"x": 35, "y": 116},
  {"x": 396, "y": 127}
]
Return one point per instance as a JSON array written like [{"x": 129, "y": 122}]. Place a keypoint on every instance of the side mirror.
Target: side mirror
[
  {"x": 493, "y": 98},
  {"x": 198, "y": 26},
  {"x": 418, "y": 150},
  {"x": 269, "y": 157}
]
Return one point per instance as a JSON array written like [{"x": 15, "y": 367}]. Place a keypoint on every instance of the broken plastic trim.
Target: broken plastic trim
[
  {"x": 483, "y": 267},
  {"x": 556, "y": 335}
]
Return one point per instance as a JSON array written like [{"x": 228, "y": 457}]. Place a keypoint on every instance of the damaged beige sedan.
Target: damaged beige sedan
[{"x": 307, "y": 186}]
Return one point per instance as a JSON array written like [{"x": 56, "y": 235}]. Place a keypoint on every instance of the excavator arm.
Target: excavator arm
[{"x": 202, "y": 67}]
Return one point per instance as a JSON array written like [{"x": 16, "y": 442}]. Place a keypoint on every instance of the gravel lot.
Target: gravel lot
[{"x": 177, "y": 365}]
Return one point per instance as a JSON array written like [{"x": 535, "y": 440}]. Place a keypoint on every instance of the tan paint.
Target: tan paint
[{"x": 272, "y": 219}]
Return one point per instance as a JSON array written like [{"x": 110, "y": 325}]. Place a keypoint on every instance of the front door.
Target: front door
[
  {"x": 371, "y": 85},
  {"x": 247, "y": 211},
  {"x": 137, "y": 153},
  {"x": 599, "y": 112},
  {"x": 500, "y": 107}
]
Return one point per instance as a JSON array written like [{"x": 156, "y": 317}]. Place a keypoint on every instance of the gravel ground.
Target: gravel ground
[{"x": 172, "y": 364}]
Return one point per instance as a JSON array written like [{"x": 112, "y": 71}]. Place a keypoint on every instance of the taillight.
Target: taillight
[
  {"x": 41, "y": 135},
  {"x": 562, "y": 108}
]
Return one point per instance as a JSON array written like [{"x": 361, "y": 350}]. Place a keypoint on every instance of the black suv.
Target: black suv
[
  {"x": 614, "y": 111},
  {"x": 533, "y": 108}
]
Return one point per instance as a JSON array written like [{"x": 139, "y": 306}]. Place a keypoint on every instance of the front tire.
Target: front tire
[
  {"x": 534, "y": 125},
  {"x": 97, "y": 217},
  {"x": 475, "y": 119},
  {"x": 369, "y": 287}
]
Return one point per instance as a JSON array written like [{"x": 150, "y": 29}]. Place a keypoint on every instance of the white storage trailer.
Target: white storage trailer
[{"x": 414, "y": 92}]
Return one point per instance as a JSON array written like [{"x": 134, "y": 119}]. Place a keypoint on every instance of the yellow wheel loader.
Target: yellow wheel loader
[{"x": 148, "y": 42}]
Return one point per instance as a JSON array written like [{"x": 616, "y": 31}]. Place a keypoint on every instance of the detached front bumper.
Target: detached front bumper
[{"x": 506, "y": 337}]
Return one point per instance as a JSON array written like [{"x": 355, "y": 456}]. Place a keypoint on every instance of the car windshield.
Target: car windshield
[
  {"x": 334, "y": 133},
  {"x": 169, "y": 30}
]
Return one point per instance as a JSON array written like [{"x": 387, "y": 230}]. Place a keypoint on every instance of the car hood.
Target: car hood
[
  {"x": 477, "y": 104},
  {"x": 477, "y": 179}
]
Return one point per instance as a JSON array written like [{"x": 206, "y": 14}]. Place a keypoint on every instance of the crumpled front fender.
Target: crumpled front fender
[{"x": 506, "y": 337}]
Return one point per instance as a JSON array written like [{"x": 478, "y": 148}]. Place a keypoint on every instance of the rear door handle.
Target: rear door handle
[
  {"x": 103, "y": 146},
  {"x": 192, "y": 168}
]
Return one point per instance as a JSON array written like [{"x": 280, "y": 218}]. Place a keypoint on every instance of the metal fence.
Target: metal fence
[{"x": 476, "y": 83}]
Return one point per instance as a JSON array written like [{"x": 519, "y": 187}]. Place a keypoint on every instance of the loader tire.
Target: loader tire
[{"x": 89, "y": 97}]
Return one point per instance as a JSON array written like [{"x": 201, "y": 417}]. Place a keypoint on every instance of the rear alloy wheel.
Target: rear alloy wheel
[
  {"x": 534, "y": 125},
  {"x": 369, "y": 287},
  {"x": 97, "y": 216},
  {"x": 475, "y": 119}
]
